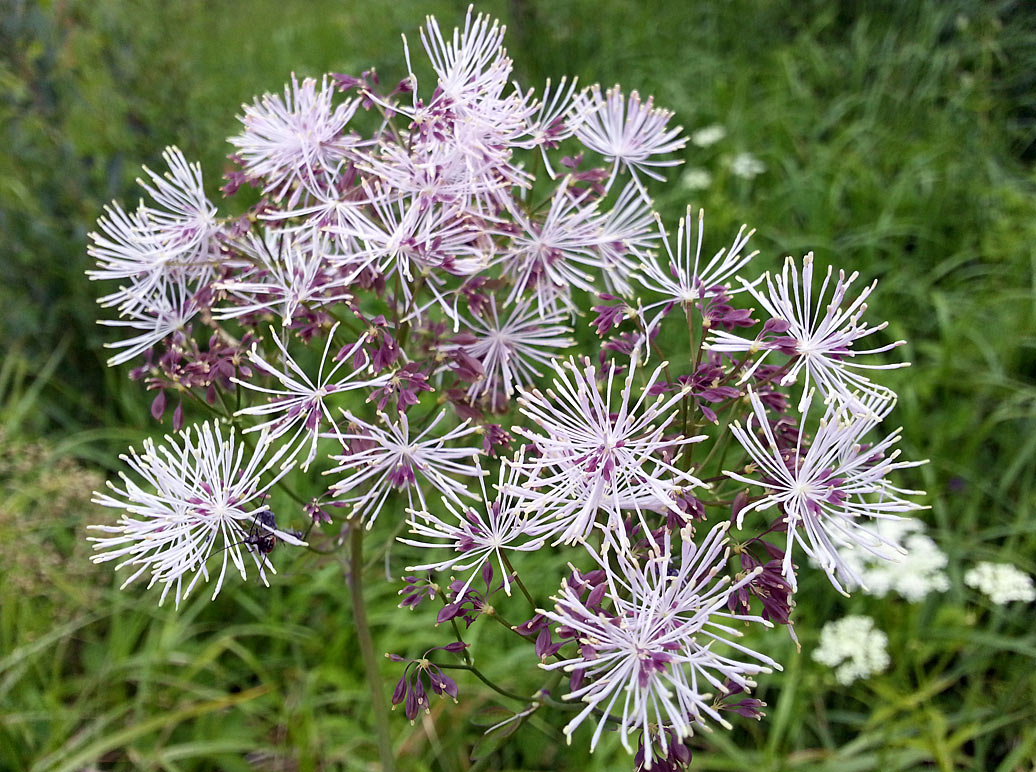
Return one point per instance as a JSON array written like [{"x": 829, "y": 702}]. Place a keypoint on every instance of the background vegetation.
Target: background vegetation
[{"x": 898, "y": 139}]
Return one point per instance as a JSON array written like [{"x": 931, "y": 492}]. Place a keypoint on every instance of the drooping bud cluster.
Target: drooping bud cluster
[{"x": 394, "y": 305}]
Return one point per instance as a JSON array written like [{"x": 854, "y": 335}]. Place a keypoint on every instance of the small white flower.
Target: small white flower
[
  {"x": 282, "y": 272},
  {"x": 915, "y": 571},
  {"x": 696, "y": 178},
  {"x": 1002, "y": 582},
  {"x": 550, "y": 256},
  {"x": 853, "y": 648},
  {"x": 547, "y": 126},
  {"x": 683, "y": 278},
  {"x": 472, "y": 63},
  {"x": 155, "y": 245},
  {"x": 656, "y": 642},
  {"x": 165, "y": 314},
  {"x": 709, "y": 135},
  {"x": 746, "y": 166}
]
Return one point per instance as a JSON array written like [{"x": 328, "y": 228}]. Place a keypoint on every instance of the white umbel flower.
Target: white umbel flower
[
  {"x": 1002, "y": 582},
  {"x": 853, "y": 647},
  {"x": 915, "y": 571},
  {"x": 708, "y": 136},
  {"x": 746, "y": 166}
]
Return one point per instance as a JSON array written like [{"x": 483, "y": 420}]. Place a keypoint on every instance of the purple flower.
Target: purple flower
[
  {"x": 405, "y": 385},
  {"x": 201, "y": 496},
  {"x": 597, "y": 455},
  {"x": 420, "y": 676},
  {"x": 475, "y": 536},
  {"x": 652, "y": 656},
  {"x": 296, "y": 142},
  {"x": 629, "y": 133},
  {"x": 684, "y": 280},
  {"x": 380, "y": 459},
  {"x": 821, "y": 338},
  {"x": 828, "y": 487}
]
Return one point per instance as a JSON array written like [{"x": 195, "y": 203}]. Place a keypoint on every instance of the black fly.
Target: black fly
[{"x": 261, "y": 537}]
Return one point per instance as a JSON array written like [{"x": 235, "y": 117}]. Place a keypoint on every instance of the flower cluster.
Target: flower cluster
[
  {"x": 1001, "y": 582},
  {"x": 389, "y": 312},
  {"x": 853, "y": 647}
]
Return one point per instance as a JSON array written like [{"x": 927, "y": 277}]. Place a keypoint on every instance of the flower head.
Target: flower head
[
  {"x": 651, "y": 640},
  {"x": 916, "y": 569},
  {"x": 380, "y": 459},
  {"x": 1002, "y": 582},
  {"x": 296, "y": 143},
  {"x": 509, "y": 349},
  {"x": 474, "y": 535},
  {"x": 551, "y": 255},
  {"x": 828, "y": 487},
  {"x": 820, "y": 338},
  {"x": 171, "y": 241},
  {"x": 684, "y": 279},
  {"x": 164, "y": 315},
  {"x": 299, "y": 401},
  {"x": 284, "y": 273},
  {"x": 853, "y": 648},
  {"x": 597, "y": 454},
  {"x": 201, "y": 496},
  {"x": 630, "y": 133}
]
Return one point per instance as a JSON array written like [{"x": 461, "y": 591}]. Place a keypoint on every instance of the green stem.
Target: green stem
[
  {"x": 519, "y": 582},
  {"x": 481, "y": 677},
  {"x": 370, "y": 663},
  {"x": 460, "y": 639}
]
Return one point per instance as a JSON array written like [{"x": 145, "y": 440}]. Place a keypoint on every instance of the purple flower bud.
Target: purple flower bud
[
  {"x": 448, "y": 612},
  {"x": 158, "y": 405},
  {"x": 399, "y": 693}
]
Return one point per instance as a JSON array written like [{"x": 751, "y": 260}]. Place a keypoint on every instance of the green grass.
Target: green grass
[{"x": 898, "y": 142}]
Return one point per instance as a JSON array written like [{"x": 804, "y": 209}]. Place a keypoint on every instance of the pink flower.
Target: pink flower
[
  {"x": 380, "y": 459},
  {"x": 595, "y": 455},
  {"x": 830, "y": 487},
  {"x": 629, "y": 133},
  {"x": 652, "y": 640}
]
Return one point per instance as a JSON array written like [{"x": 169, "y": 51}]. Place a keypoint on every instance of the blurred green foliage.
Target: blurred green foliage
[{"x": 898, "y": 140}]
